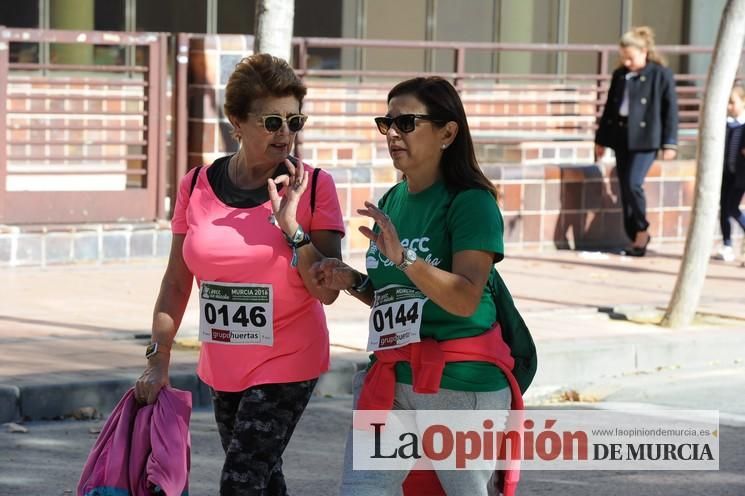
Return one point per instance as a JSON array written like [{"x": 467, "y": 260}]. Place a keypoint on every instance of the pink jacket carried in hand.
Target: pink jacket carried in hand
[{"x": 142, "y": 449}]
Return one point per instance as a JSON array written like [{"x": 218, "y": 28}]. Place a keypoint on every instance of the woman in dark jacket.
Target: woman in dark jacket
[
  {"x": 640, "y": 117},
  {"x": 733, "y": 173}
]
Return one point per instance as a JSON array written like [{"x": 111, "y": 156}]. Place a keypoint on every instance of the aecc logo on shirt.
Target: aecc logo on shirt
[{"x": 419, "y": 245}]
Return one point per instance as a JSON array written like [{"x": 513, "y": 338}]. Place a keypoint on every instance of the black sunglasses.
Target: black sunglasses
[
  {"x": 273, "y": 122},
  {"x": 405, "y": 123}
]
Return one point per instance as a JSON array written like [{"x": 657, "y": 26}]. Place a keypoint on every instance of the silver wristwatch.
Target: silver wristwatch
[
  {"x": 296, "y": 238},
  {"x": 409, "y": 258}
]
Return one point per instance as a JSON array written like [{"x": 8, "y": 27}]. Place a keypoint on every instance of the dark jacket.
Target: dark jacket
[
  {"x": 653, "y": 110},
  {"x": 739, "y": 165}
]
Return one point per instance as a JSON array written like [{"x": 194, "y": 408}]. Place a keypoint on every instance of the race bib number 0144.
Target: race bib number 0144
[
  {"x": 236, "y": 313},
  {"x": 396, "y": 317}
]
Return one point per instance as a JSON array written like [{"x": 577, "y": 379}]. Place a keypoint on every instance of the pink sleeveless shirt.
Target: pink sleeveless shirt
[{"x": 239, "y": 245}]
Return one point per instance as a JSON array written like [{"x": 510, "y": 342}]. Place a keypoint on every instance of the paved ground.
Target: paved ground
[
  {"x": 47, "y": 460},
  {"x": 82, "y": 319},
  {"x": 65, "y": 329}
]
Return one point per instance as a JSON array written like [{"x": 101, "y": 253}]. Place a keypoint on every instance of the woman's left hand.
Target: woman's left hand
[
  {"x": 387, "y": 239},
  {"x": 332, "y": 273},
  {"x": 285, "y": 208},
  {"x": 669, "y": 154}
]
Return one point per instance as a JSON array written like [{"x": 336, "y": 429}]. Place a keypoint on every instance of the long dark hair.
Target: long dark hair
[{"x": 458, "y": 165}]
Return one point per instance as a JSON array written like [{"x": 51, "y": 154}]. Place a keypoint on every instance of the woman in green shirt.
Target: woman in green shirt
[{"x": 436, "y": 238}]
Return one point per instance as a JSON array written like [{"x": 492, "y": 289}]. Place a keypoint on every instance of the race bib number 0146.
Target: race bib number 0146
[
  {"x": 236, "y": 313},
  {"x": 396, "y": 317}
]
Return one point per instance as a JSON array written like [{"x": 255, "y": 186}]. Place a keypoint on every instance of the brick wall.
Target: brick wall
[
  {"x": 569, "y": 206},
  {"x": 104, "y": 124},
  {"x": 534, "y": 141}
]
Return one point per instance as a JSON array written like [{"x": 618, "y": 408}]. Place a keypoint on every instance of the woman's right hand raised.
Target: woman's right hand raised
[
  {"x": 332, "y": 273},
  {"x": 152, "y": 380},
  {"x": 284, "y": 208}
]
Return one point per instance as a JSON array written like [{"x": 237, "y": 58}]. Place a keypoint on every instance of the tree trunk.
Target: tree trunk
[
  {"x": 710, "y": 156},
  {"x": 274, "y": 19}
]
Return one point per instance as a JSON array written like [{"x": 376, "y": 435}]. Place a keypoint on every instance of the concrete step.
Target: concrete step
[{"x": 562, "y": 363}]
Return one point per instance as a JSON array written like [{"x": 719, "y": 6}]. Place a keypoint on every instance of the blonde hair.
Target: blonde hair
[
  {"x": 642, "y": 37},
  {"x": 739, "y": 90}
]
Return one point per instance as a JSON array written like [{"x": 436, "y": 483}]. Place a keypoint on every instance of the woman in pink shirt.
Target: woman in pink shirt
[{"x": 248, "y": 228}]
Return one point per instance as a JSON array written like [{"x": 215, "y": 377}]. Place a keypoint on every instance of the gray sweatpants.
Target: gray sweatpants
[{"x": 455, "y": 482}]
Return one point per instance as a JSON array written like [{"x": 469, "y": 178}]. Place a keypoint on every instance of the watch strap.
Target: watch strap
[
  {"x": 362, "y": 285},
  {"x": 304, "y": 241},
  {"x": 409, "y": 257},
  {"x": 298, "y": 236}
]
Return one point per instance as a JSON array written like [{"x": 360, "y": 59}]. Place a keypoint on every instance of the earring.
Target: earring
[{"x": 444, "y": 146}]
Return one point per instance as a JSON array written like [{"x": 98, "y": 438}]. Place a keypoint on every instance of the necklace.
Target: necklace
[
  {"x": 234, "y": 159},
  {"x": 231, "y": 171}
]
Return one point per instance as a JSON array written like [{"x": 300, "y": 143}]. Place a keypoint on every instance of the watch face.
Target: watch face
[
  {"x": 299, "y": 235},
  {"x": 151, "y": 350},
  {"x": 304, "y": 241},
  {"x": 411, "y": 255}
]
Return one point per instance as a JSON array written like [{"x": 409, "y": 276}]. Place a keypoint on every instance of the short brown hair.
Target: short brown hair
[{"x": 260, "y": 76}]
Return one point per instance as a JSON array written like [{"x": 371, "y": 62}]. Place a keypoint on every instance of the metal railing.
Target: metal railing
[
  {"x": 62, "y": 123},
  {"x": 82, "y": 142},
  {"x": 560, "y": 88}
]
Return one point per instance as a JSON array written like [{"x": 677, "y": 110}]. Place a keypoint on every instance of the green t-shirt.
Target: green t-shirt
[{"x": 437, "y": 223}]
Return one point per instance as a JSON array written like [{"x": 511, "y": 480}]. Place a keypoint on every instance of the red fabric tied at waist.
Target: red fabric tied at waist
[{"x": 427, "y": 359}]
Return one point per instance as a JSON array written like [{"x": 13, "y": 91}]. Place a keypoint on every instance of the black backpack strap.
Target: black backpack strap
[
  {"x": 194, "y": 178},
  {"x": 313, "y": 182}
]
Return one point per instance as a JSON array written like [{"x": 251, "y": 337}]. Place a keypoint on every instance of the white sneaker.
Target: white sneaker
[{"x": 725, "y": 253}]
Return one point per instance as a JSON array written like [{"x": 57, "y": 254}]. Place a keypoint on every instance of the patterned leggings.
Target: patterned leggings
[{"x": 255, "y": 426}]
